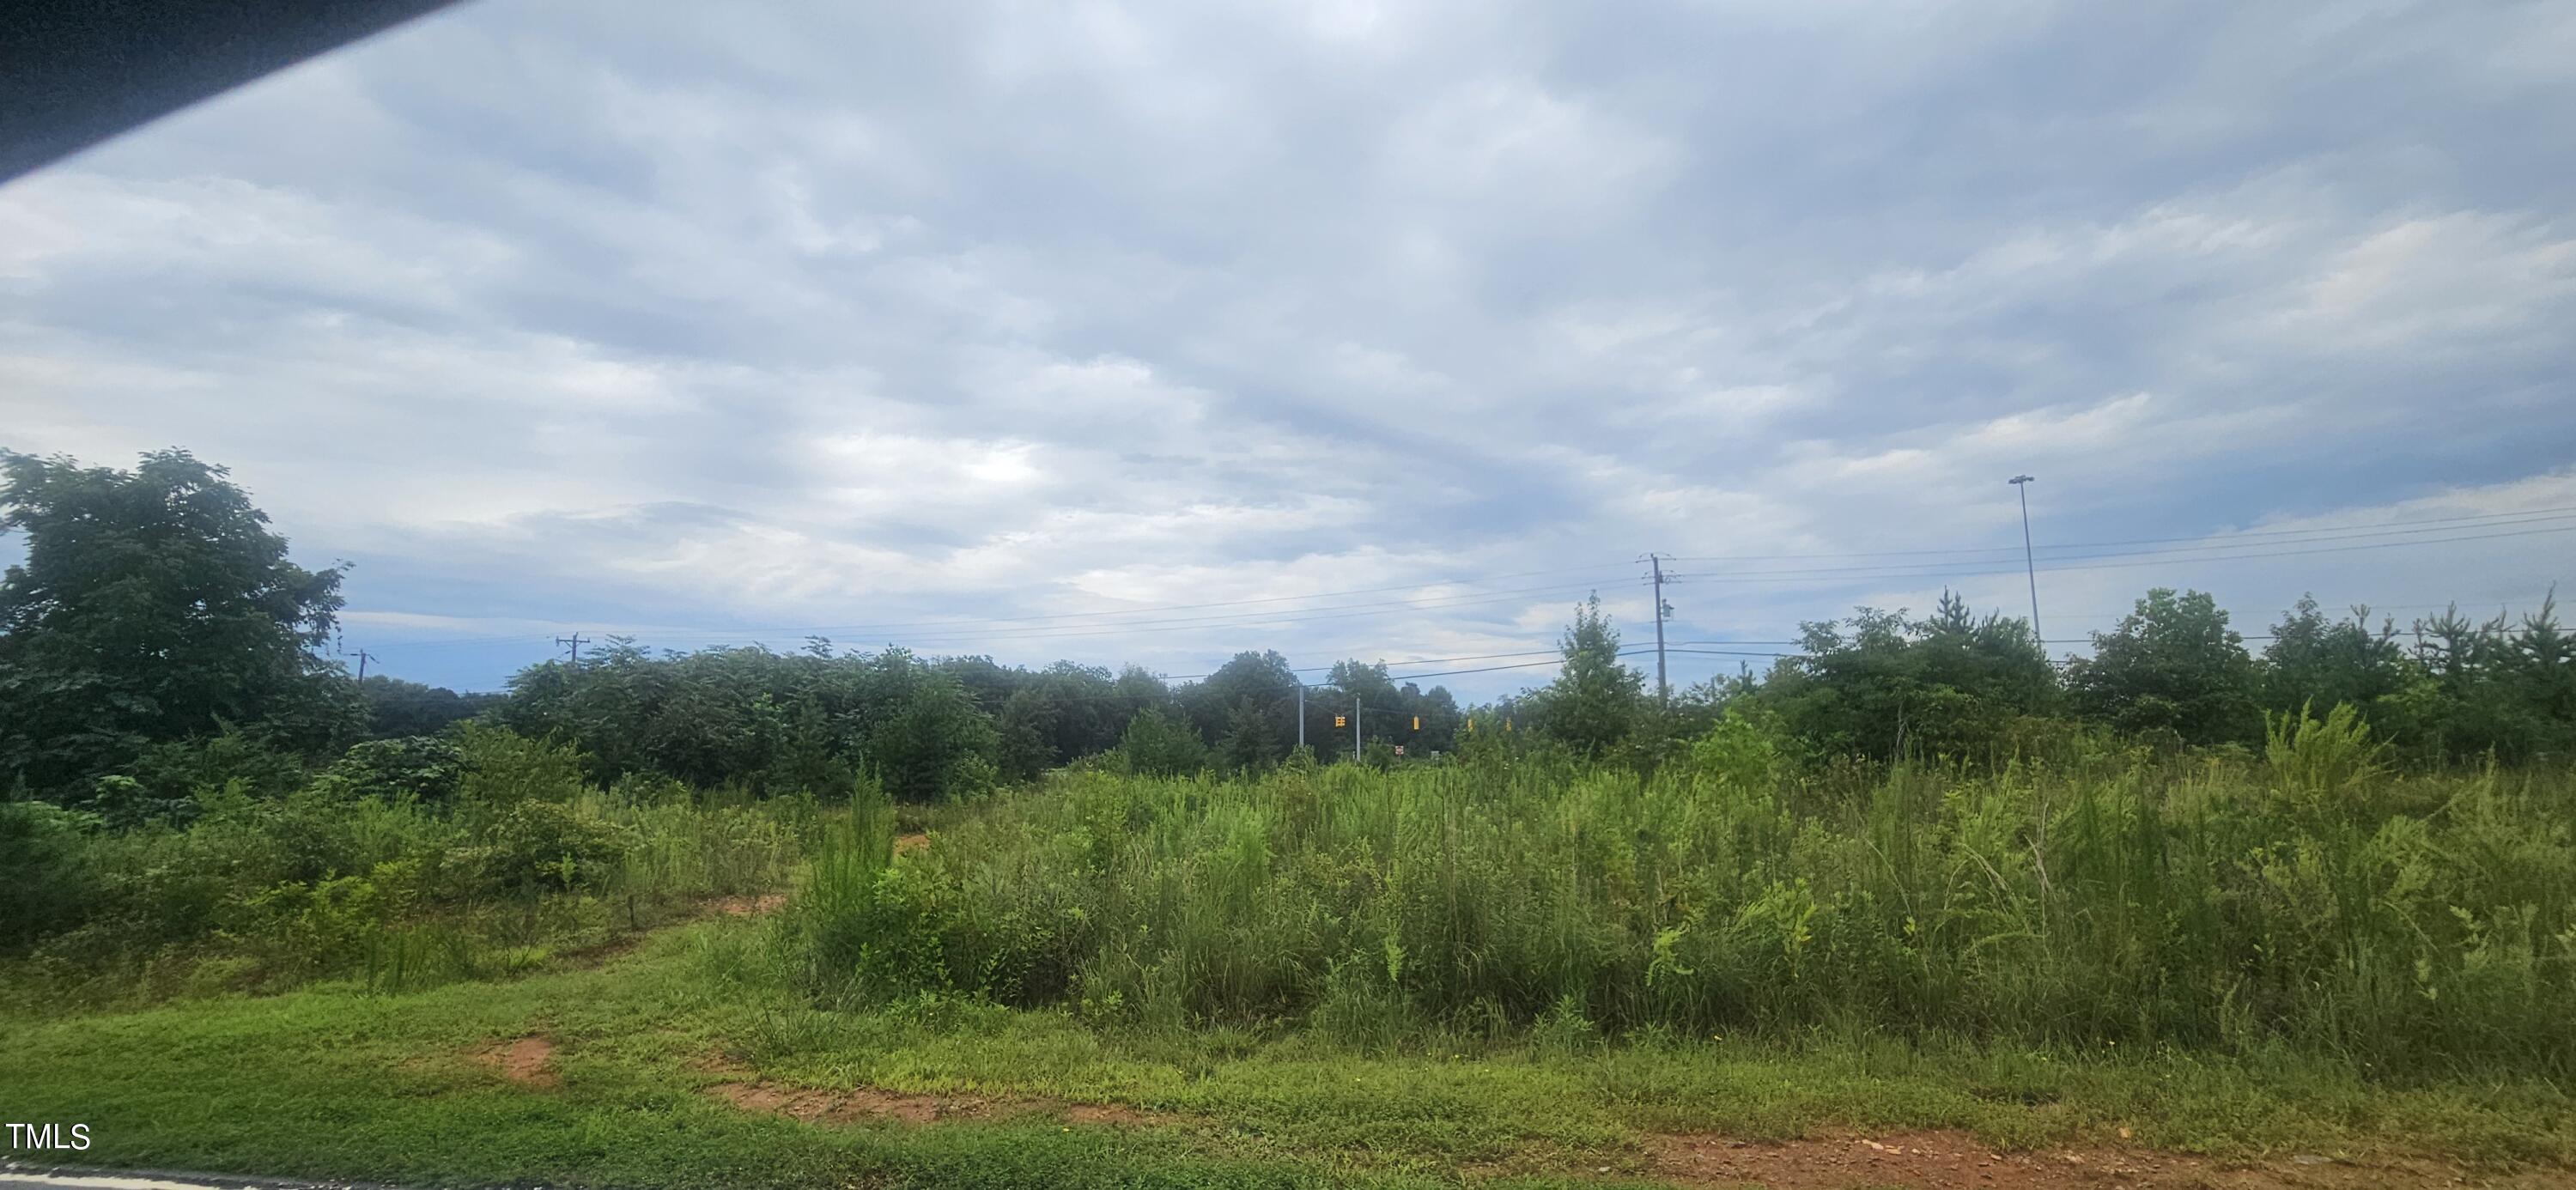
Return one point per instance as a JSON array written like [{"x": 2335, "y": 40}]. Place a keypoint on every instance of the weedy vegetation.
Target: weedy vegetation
[{"x": 2422, "y": 926}]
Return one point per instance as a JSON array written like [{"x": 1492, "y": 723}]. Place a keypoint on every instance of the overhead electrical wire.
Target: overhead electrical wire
[
  {"x": 2216, "y": 538},
  {"x": 2109, "y": 561},
  {"x": 967, "y": 629}
]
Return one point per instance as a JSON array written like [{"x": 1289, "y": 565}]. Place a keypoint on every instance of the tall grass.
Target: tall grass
[{"x": 2310, "y": 898}]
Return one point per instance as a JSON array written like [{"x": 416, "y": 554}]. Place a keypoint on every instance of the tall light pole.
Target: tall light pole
[{"x": 2021, "y": 484}]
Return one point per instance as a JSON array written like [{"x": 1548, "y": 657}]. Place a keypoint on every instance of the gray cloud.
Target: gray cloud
[{"x": 716, "y": 323}]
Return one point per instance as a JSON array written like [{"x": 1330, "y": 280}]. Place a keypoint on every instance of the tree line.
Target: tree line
[{"x": 157, "y": 638}]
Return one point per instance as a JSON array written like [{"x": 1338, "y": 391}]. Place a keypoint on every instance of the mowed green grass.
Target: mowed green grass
[{"x": 331, "y": 1081}]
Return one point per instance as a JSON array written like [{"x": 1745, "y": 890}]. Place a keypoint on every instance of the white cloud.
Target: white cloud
[{"x": 702, "y": 322}]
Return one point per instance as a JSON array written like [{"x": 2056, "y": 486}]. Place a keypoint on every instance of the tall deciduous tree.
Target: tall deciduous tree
[
  {"x": 2174, "y": 664},
  {"x": 153, "y": 605},
  {"x": 1881, "y": 685},
  {"x": 1593, "y": 702}
]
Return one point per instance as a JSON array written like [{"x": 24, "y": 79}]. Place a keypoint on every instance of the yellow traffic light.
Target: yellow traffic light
[
  {"x": 1417, "y": 723},
  {"x": 1340, "y": 721}
]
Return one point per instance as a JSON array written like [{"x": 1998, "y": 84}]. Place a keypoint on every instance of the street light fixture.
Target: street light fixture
[{"x": 2021, "y": 484}]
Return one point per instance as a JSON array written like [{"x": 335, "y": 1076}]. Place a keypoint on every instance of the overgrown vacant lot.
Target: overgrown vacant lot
[{"x": 2287, "y": 971}]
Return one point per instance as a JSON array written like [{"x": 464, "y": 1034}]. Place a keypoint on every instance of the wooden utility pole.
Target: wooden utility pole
[{"x": 1663, "y": 686}]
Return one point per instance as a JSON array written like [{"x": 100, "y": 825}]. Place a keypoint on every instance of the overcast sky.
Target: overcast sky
[{"x": 955, "y": 324}]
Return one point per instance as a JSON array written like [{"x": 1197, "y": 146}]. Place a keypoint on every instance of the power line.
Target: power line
[
  {"x": 2098, "y": 562},
  {"x": 2174, "y": 551},
  {"x": 935, "y": 625},
  {"x": 1234, "y": 619},
  {"x": 2420, "y": 525}
]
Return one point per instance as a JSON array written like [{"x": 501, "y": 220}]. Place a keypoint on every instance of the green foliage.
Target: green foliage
[
  {"x": 153, "y": 606},
  {"x": 1252, "y": 698},
  {"x": 46, "y": 888},
  {"x": 534, "y": 845},
  {"x": 1743, "y": 752},
  {"x": 336, "y": 1082},
  {"x": 2314, "y": 660},
  {"x": 1251, "y": 743},
  {"x": 802, "y": 723},
  {"x": 369, "y": 869},
  {"x": 409, "y": 767},
  {"x": 2173, "y": 665},
  {"x": 1880, "y": 686},
  {"x": 1158, "y": 746},
  {"x": 503, "y": 768},
  {"x": 2499, "y": 689},
  {"x": 2323, "y": 764},
  {"x": 2311, "y": 900},
  {"x": 1594, "y": 701}
]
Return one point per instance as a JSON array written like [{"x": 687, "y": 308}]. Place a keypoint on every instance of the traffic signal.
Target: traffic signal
[
  {"x": 1340, "y": 721},
  {"x": 1417, "y": 723}
]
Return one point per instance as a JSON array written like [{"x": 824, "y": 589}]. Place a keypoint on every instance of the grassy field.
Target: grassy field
[
  {"x": 637, "y": 1052},
  {"x": 2280, "y": 971}
]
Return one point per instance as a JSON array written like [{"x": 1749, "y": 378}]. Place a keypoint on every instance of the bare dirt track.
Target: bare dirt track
[{"x": 528, "y": 1061}]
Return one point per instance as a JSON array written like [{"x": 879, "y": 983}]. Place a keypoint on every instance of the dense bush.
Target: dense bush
[
  {"x": 803, "y": 723},
  {"x": 2311, "y": 896},
  {"x": 404, "y": 861}
]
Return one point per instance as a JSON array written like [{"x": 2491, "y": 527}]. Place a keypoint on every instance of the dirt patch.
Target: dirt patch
[
  {"x": 748, "y": 906},
  {"x": 907, "y": 844},
  {"x": 528, "y": 1061},
  {"x": 1957, "y": 1159},
  {"x": 815, "y": 1105}
]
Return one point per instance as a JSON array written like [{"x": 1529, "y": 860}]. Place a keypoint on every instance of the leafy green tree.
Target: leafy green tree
[
  {"x": 1880, "y": 684},
  {"x": 2321, "y": 662},
  {"x": 154, "y": 605},
  {"x": 2173, "y": 664},
  {"x": 776, "y": 723},
  {"x": 924, "y": 736},
  {"x": 1594, "y": 702},
  {"x": 1159, "y": 745},
  {"x": 1251, "y": 742},
  {"x": 1020, "y": 733},
  {"x": 1263, "y": 681},
  {"x": 2496, "y": 688}
]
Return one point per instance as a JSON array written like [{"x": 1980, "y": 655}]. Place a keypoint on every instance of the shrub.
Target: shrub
[
  {"x": 46, "y": 890},
  {"x": 542, "y": 845},
  {"x": 419, "y": 767},
  {"x": 2323, "y": 764},
  {"x": 503, "y": 768}
]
